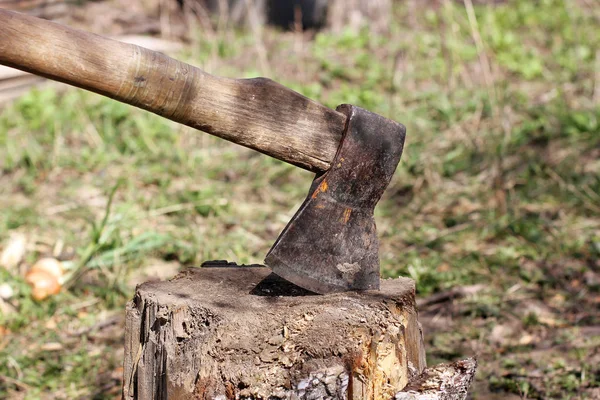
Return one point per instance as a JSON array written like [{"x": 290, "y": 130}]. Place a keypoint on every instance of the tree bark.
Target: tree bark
[
  {"x": 442, "y": 382},
  {"x": 230, "y": 332}
]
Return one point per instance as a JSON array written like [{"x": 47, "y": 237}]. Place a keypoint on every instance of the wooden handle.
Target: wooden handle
[{"x": 257, "y": 113}]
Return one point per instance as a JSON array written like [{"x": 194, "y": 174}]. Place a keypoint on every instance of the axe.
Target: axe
[{"x": 330, "y": 245}]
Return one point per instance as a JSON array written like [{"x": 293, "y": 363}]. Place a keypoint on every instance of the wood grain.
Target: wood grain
[
  {"x": 15, "y": 83},
  {"x": 212, "y": 333},
  {"x": 257, "y": 113}
]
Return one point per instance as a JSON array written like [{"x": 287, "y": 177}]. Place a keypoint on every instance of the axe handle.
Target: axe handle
[{"x": 257, "y": 113}]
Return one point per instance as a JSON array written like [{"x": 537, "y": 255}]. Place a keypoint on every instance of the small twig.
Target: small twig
[
  {"x": 483, "y": 60},
  {"x": 298, "y": 29},
  {"x": 596, "y": 95},
  {"x": 84, "y": 304},
  {"x": 441, "y": 234},
  {"x": 398, "y": 68},
  {"x": 95, "y": 245},
  {"x": 164, "y": 18},
  {"x": 173, "y": 208},
  {"x": 257, "y": 30},
  {"x": 571, "y": 188},
  {"x": 197, "y": 8},
  {"x": 454, "y": 293},
  {"x": 60, "y": 208},
  {"x": 223, "y": 24},
  {"x": 13, "y": 363},
  {"x": 97, "y": 326},
  {"x": 94, "y": 138},
  {"x": 449, "y": 55},
  {"x": 15, "y": 382}
]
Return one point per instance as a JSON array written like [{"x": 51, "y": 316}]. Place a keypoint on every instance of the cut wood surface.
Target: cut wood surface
[
  {"x": 212, "y": 333},
  {"x": 257, "y": 113}
]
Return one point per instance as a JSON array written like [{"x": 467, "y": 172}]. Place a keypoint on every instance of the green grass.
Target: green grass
[{"x": 499, "y": 185}]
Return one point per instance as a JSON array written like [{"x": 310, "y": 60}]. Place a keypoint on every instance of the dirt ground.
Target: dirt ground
[{"x": 494, "y": 210}]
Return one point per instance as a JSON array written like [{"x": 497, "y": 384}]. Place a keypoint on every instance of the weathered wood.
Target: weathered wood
[
  {"x": 442, "y": 382},
  {"x": 257, "y": 113},
  {"x": 14, "y": 83},
  {"x": 212, "y": 333}
]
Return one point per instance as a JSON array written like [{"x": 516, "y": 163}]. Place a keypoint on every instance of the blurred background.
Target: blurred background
[{"x": 494, "y": 210}]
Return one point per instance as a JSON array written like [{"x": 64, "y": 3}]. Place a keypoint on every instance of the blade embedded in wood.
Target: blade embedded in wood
[{"x": 331, "y": 244}]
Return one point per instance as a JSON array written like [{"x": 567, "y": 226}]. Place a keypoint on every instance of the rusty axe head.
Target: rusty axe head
[{"x": 331, "y": 244}]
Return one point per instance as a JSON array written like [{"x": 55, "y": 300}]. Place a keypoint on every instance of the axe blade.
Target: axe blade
[{"x": 331, "y": 244}]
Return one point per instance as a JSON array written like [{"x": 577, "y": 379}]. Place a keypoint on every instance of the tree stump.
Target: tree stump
[{"x": 229, "y": 332}]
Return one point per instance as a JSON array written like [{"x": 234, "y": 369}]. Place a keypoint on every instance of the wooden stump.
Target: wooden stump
[{"x": 233, "y": 332}]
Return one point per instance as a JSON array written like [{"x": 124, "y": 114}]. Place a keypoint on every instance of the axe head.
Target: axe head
[{"x": 331, "y": 244}]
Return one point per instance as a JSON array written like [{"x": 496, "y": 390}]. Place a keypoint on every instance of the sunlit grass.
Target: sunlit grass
[{"x": 499, "y": 185}]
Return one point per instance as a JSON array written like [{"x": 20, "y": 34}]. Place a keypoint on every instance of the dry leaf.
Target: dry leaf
[
  {"x": 43, "y": 284},
  {"x": 51, "y": 324},
  {"x": 45, "y": 278},
  {"x": 443, "y": 267},
  {"x": 500, "y": 334},
  {"x": 50, "y": 265},
  {"x": 4, "y": 331},
  {"x": 51, "y": 346},
  {"x": 14, "y": 251},
  {"x": 526, "y": 339},
  {"x": 6, "y": 292},
  {"x": 6, "y": 309}
]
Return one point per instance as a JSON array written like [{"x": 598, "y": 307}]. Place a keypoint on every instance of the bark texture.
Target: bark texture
[
  {"x": 442, "y": 382},
  {"x": 229, "y": 332}
]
